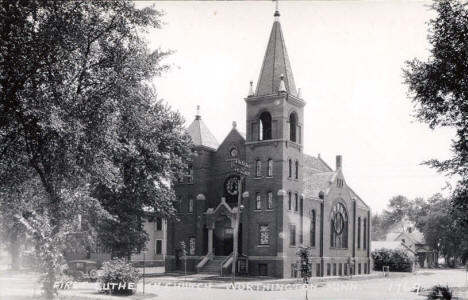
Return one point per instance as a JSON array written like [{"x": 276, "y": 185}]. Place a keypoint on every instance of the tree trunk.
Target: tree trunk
[
  {"x": 15, "y": 249},
  {"x": 49, "y": 283}
]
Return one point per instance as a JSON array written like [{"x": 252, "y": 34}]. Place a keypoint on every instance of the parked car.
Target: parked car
[{"x": 83, "y": 270}]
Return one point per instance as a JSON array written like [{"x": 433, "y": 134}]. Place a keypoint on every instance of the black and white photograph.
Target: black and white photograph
[{"x": 238, "y": 150}]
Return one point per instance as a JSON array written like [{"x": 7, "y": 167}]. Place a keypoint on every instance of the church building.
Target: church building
[{"x": 288, "y": 198}]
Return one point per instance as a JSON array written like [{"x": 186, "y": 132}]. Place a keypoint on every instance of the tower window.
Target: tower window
[
  {"x": 258, "y": 168},
  {"x": 265, "y": 126},
  {"x": 190, "y": 205},
  {"x": 290, "y": 168},
  {"x": 289, "y": 201},
  {"x": 270, "y": 200},
  {"x": 293, "y": 127},
  {"x": 270, "y": 168},
  {"x": 189, "y": 174}
]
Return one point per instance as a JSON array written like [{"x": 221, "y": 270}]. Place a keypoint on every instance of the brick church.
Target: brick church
[{"x": 289, "y": 199}]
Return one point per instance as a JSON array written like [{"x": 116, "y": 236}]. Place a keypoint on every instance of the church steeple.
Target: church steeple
[{"x": 276, "y": 63}]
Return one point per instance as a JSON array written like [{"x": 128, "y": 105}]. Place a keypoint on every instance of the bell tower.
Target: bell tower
[{"x": 274, "y": 145}]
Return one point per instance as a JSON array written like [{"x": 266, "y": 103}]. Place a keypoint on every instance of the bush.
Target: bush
[
  {"x": 397, "y": 260},
  {"x": 119, "y": 277},
  {"x": 439, "y": 292}
]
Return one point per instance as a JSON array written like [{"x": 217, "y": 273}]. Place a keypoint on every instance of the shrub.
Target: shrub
[
  {"x": 397, "y": 260},
  {"x": 439, "y": 292},
  {"x": 119, "y": 277}
]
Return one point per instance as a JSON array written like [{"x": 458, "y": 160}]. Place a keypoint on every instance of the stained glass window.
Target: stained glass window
[
  {"x": 264, "y": 235},
  {"x": 339, "y": 227}
]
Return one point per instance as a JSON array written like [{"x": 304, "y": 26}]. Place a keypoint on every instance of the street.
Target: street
[{"x": 19, "y": 286}]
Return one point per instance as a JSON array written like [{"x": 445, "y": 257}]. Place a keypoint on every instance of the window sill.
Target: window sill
[
  {"x": 263, "y": 246},
  {"x": 257, "y": 210},
  {"x": 269, "y": 209}
]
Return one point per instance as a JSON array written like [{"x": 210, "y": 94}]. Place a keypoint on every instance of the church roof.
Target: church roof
[
  {"x": 201, "y": 135},
  {"x": 275, "y": 63},
  {"x": 317, "y": 176}
]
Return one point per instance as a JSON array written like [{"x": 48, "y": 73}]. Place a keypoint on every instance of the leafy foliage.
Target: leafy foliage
[
  {"x": 397, "y": 260},
  {"x": 305, "y": 260},
  {"x": 439, "y": 89},
  {"x": 439, "y": 292},
  {"x": 118, "y": 271},
  {"x": 77, "y": 116}
]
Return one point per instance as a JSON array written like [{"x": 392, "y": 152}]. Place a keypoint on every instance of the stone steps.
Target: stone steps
[{"x": 213, "y": 266}]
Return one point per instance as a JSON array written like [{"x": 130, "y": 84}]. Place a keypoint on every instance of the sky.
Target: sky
[{"x": 347, "y": 58}]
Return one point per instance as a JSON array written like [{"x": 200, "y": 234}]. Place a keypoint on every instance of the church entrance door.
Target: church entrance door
[{"x": 223, "y": 242}]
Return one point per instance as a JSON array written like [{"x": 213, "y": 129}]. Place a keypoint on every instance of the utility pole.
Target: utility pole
[{"x": 242, "y": 169}]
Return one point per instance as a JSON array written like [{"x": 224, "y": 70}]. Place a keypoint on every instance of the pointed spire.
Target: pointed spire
[
  {"x": 198, "y": 116},
  {"x": 275, "y": 63},
  {"x": 299, "y": 93},
  {"x": 277, "y": 14},
  {"x": 251, "y": 91}
]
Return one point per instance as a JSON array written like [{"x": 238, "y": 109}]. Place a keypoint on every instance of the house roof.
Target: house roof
[
  {"x": 275, "y": 63},
  {"x": 201, "y": 135}
]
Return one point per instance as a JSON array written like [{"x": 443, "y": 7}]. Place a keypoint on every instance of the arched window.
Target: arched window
[
  {"x": 339, "y": 227},
  {"x": 312, "y": 228},
  {"x": 359, "y": 232},
  {"x": 270, "y": 168},
  {"x": 258, "y": 168},
  {"x": 264, "y": 126},
  {"x": 293, "y": 127}
]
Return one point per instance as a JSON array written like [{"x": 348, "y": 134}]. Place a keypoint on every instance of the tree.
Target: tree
[
  {"x": 304, "y": 260},
  {"x": 73, "y": 94},
  {"x": 154, "y": 139},
  {"x": 439, "y": 90},
  {"x": 398, "y": 208},
  {"x": 440, "y": 229},
  {"x": 378, "y": 231}
]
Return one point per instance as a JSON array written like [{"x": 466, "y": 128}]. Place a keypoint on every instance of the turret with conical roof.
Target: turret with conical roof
[{"x": 200, "y": 134}]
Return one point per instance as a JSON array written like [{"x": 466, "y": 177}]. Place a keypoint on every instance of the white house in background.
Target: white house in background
[
  {"x": 405, "y": 236},
  {"x": 156, "y": 250}
]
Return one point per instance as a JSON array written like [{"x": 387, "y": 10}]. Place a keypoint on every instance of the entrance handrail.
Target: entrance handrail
[
  {"x": 226, "y": 262},
  {"x": 204, "y": 260}
]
